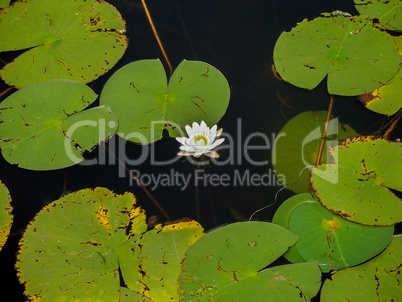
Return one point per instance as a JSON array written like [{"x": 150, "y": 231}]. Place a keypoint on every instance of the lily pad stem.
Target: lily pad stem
[
  {"x": 388, "y": 132},
  {"x": 5, "y": 91},
  {"x": 325, "y": 131},
  {"x": 156, "y": 36}
]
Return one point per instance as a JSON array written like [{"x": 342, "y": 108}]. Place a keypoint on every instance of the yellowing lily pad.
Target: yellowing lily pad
[
  {"x": 335, "y": 46},
  {"x": 69, "y": 251},
  {"x": 388, "y": 12},
  {"x": 297, "y": 144},
  {"x": 145, "y": 103},
  {"x": 76, "y": 40},
  {"x": 6, "y": 216},
  {"x": 357, "y": 186},
  {"x": 162, "y": 250},
  {"x": 127, "y": 295},
  {"x": 83, "y": 244},
  {"x": 376, "y": 280},
  {"x": 386, "y": 99},
  {"x": 43, "y": 127}
]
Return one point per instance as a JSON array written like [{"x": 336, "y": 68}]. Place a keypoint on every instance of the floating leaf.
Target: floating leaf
[
  {"x": 145, "y": 105},
  {"x": 161, "y": 251},
  {"x": 357, "y": 185},
  {"x": 282, "y": 216},
  {"x": 228, "y": 264},
  {"x": 335, "y": 46},
  {"x": 6, "y": 217},
  {"x": 386, "y": 99},
  {"x": 388, "y": 12},
  {"x": 297, "y": 144},
  {"x": 69, "y": 251},
  {"x": 127, "y": 295},
  {"x": 78, "y": 246},
  {"x": 4, "y": 3},
  {"x": 330, "y": 239},
  {"x": 75, "y": 40},
  {"x": 376, "y": 280},
  {"x": 42, "y": 126}
]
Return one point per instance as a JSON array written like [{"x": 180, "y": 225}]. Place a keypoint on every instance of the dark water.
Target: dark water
[{"x": 236, "y": 36}]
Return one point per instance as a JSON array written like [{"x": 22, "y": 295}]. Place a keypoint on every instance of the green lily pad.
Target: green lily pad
[
  {"x": 376, "y": 280},
  {"x": 336, "y": 47},
  {"x": 388, "y": 12},
  {"x": 228, "y": 264},
  {"x": 357, "y": 186},
  {"x": 76, "y": 40},
  {"x": 42, "y": 126},
  {"x": 68, "y": 250},
  {"x": 331, "y": 240},
  {"x": 386, "y": 99},
  {"x": 6, "y": 216},
  {"x": 145, "y": 104},
  {"x": 297, "y": 144},
  {"x": 161, "y": 251},
  {"x": 4, "y": 3},
  {"x": 282, "y": 216}
]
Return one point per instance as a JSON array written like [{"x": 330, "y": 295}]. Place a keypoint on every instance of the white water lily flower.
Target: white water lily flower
[{"x": 200, "y": 140}]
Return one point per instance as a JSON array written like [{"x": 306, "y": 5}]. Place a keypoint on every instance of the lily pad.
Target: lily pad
[
  {"x": 68, "y": 251},
  {"x": 83, "y": 244},
  {"x": 76, "y": 40},
  {"x": 335, "y": 46},
  {"x": 42, "y": 126},
  {"x": 4, "y": 3},
  {"x": 159, "y": 255},
  {"x": 228, "y": 264},
  {"x": 6, "y": 216},
  {"x": 282, "y": 216},
  {"x": 386, "y": 99},
  {"x": 331, "y": 240},
  {"x": 388, "y": 12},
  {"x": 357, "y": 186},
  {"x": 376, "y": 280},
  {"x": 127, "y": 295},
  {"x": 297, "y": 144},
  {"x": 145, "y": 104}
]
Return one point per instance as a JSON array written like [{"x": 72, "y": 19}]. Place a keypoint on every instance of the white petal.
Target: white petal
[
  {"x": 204, "y": 126},
  {"x": 217, "y": 143},
  {"x": 195, "y": 126},
  {"x": 188, "y": 130},
  {"x": 197, "y": 154},
  {"x": 187, "y": 148},
  {"x": 182, "y": 140},
  {"x": 212, "y": 133}
]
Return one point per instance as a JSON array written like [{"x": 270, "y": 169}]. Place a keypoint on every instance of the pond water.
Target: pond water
[{"x": 237, "y": 37}]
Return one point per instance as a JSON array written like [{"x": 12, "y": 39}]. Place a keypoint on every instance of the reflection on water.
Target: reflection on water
[{"x": 238, "y": 37}]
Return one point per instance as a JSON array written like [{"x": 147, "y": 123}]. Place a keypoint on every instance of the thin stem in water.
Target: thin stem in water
[
  {"x": 156, "y": 35},
  {"x": 325, "y": 132}
]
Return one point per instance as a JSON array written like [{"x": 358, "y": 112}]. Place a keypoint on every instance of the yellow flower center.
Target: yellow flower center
[{"x": 201, "y": 137}]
